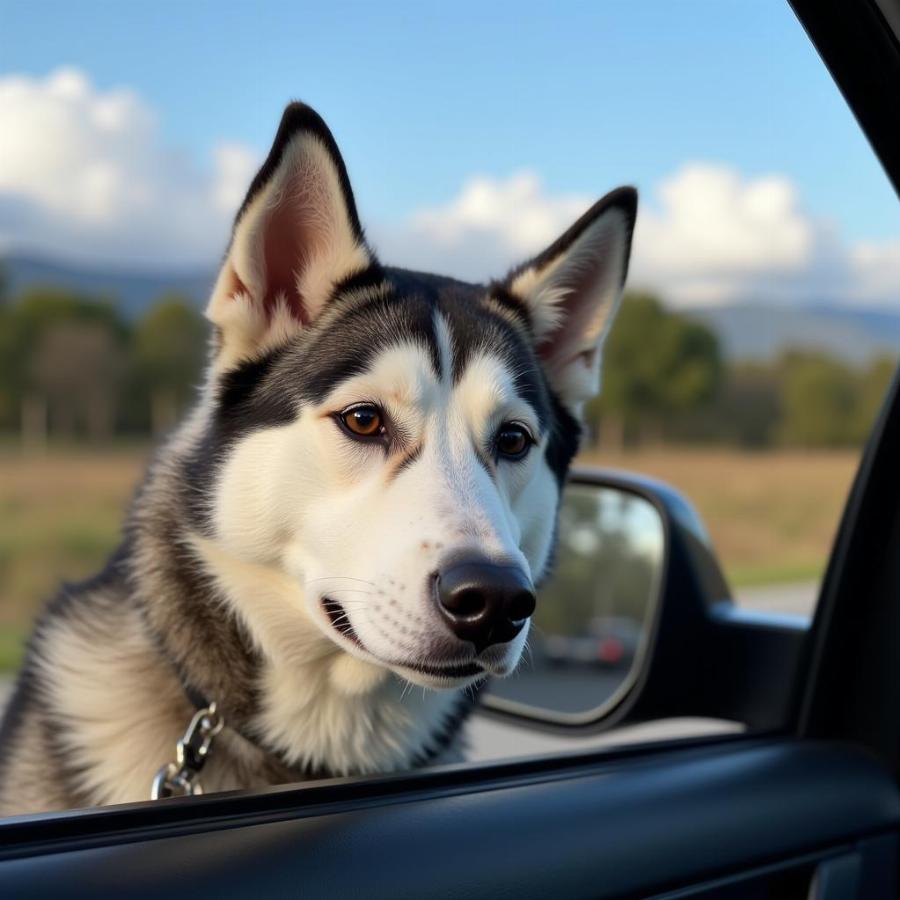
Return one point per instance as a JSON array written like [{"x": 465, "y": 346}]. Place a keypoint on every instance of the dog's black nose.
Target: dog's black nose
[{"x": 483, "y": 602}]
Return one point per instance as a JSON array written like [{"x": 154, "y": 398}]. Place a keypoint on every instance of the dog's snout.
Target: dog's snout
[{"x": 483, "y": 602}]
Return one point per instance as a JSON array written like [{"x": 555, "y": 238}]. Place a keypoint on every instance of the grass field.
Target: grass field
[
  {"x": 772, "y": 516},
  {"x": 60, "y": 516}
]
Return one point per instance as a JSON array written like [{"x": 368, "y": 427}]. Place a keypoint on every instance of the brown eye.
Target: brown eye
[
  {"x": 365, "y": 421},
  {"x": 513, "y": 441}
]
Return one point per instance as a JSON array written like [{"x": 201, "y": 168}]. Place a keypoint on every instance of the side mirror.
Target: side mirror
[{"x": 636, "y": 621}]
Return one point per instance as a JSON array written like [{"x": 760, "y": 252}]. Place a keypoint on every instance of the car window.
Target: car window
[{"x": 746, "y": 365}]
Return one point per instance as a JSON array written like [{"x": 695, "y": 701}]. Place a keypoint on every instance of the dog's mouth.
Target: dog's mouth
[{"x": 340, "y": 621}]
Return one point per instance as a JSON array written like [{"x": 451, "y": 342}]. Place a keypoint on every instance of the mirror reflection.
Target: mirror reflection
[{"x": 594, "y": 611}]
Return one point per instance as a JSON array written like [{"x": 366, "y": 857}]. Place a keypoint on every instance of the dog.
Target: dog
[{"x": 361, "y": 501}]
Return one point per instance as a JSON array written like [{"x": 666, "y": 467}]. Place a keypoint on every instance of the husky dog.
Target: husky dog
[{"x": 362, "y": 500}]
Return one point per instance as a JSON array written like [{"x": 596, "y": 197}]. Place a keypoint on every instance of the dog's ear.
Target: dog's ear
[
  {"x": 571, "y": 291},
  {"x": 296, "y": 236}
]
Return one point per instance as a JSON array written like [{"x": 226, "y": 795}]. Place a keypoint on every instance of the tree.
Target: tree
[
  {"x": 169, "y": 353},
  {"x": 657, "y": 365},
  {"x": 819, "y": 399},
  {"x": 25, "y": 380},
  {"x": 874, "y": 382},
  {"x": 75, "y": 369},
  {"x": 747, "y": 410},
  {"x": 4, "y": 285},
  {"x": 9, "y": 396}
]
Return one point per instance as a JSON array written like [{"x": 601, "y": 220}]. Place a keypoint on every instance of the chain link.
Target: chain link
[{"x": 181, "y": 777}]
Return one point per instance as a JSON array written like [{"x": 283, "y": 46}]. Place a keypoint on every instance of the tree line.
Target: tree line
[
  {"x": 665, "y": 379},
  {"x": 72, "y": 367}
]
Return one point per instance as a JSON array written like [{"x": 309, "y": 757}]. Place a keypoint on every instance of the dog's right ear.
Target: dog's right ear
[{"x": 296, "y": 236}]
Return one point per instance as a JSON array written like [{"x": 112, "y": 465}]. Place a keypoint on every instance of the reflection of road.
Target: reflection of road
[{"x": 568, "y": 689}]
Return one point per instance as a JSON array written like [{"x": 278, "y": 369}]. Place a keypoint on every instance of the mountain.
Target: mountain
[
  {"x": 746, "y": 330},
  {"x": 761, "y": 331},
  {"x": 133, "y": 289}
]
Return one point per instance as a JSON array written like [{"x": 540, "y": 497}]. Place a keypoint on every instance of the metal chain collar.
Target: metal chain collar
[{"x": 181, "y": 778}]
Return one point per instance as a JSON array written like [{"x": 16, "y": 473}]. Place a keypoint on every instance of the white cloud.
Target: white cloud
[
  {"x": 84, "y": 174},
  {"x": 706, "y": 234},
  {"x": 235, "y": 167},
  {"x": 491, "y": 225},
  {"x": 713, "y": 234},
  {"x": 876, "y": 267}
]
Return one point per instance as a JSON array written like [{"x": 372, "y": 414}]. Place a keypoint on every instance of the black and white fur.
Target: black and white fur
[{"x": 262, "y": 516}]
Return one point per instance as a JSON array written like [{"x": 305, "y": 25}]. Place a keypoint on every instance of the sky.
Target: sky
[{"x": 474, "y": 133}]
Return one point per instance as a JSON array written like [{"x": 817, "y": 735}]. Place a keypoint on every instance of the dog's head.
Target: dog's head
[{"x": 397, "y": 443}]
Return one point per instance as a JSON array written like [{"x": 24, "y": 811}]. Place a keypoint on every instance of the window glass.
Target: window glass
[{"x": 747, "y": 363}]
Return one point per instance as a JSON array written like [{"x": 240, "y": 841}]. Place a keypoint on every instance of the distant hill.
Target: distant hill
[
  {"x": 747, "y": 330},
  {"x": 760, "y": 331},
  {"x": 133, "y": 290}
]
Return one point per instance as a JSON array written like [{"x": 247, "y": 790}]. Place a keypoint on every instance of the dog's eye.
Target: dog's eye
[
  {"x": 513, "y": 441},
  {"x": 365, "y": 420}
]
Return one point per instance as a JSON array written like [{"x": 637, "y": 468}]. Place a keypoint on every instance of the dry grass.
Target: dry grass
[
  {"x": 772, "y": 516},
  {"x": 60, "y": 516}
]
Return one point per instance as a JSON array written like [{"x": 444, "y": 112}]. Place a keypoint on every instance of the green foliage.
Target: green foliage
[
  {"x": 818, "y": 400},
  {"x": 168, "y": 357},
  {"x": 747, "y": 409},
  {"x": 872, "y": 388},
  {"x": 92, "y": 371},
  {"x": 73, "y": 362},
  {"x": 657, "y": 365},
  {"x": 664, "y": 379},
  {"x": 170, "y": 345},
  {"x": 826, "y": 403},
  {"x": 43, "y": 322}
]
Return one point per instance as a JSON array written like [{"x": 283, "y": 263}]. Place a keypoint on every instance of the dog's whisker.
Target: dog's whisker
[{"x": 529, "y": 653}]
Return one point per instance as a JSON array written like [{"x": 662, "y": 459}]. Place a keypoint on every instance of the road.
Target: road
[{"x": 795, "y": 599}]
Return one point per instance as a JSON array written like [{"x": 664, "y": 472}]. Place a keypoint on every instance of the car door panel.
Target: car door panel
[{"x": 635, "y": 825}]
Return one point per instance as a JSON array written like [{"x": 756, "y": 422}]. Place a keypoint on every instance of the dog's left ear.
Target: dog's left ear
[
  {"x": 571, "y": 293},
  {"x": 296, "y": 236}
]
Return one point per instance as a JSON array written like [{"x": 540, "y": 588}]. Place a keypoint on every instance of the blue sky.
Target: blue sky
[{"x": 423, "y": 97}]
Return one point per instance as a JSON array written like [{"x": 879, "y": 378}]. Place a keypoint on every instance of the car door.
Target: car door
[{"x": 800, "y": 800}]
